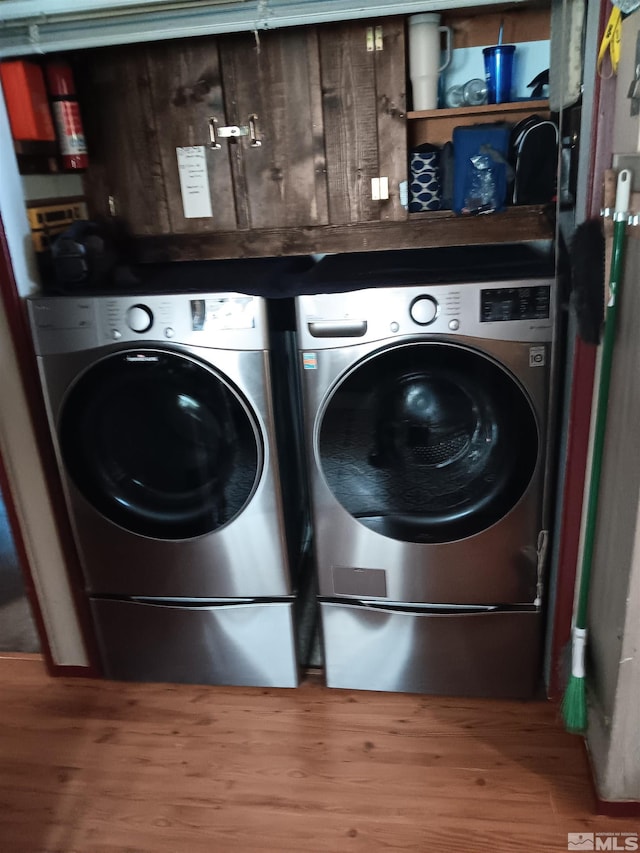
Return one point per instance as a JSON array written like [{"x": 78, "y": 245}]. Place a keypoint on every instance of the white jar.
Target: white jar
[{"x": 425, "y": 58}]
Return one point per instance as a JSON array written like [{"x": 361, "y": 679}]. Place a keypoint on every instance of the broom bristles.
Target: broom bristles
[{"x": 574, "y": 705}]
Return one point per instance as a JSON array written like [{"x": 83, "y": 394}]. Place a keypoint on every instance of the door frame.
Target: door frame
[{"x": 14, "y": 310}]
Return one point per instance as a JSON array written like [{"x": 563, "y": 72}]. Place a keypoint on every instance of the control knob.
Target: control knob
[
  {"x": 423, "y": 310},
  {"x": 139, "y": 318}
]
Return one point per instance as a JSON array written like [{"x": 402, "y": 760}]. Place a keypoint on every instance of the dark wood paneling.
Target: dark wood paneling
[
  {"x": 187, "y": 92},
  {"x": 520, "y": 224},
  {"x": 520, "y": 25},
  {"x": 317, "y": 125},
  {"x": 122, "y": 139},
  {"x": 234, "y": 151},
  {"x": 350, "y": 122},
  {"x": 391, "y": 110},
  {"x": 272, "y": 75}
]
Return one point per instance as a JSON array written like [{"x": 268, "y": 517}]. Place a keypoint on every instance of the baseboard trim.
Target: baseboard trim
[
  {"x": 617, "y": 808},
  {"x": 37, "y": 656},
  {"x": 607, "y": 808},
  {"x": 67, "y": 671}
]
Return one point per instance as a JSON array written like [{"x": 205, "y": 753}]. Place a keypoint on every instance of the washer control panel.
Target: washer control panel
[
  {"x": 509, "y": 310},
  {"x": 224, "y": 320}
]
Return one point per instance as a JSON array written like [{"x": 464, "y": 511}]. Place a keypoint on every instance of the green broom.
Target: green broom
[{"x": 574, "y": 702}]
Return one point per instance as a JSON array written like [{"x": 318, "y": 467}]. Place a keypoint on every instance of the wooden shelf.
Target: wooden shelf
[
  {"x": 528, "y": 106},
  {"x": 420, "y": 230},
  {"x": 436, "y": 126},
  {"x": 36, "y": 157}
]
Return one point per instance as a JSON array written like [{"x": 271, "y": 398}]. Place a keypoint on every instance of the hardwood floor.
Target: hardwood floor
[{"x": 98, "y": 767}]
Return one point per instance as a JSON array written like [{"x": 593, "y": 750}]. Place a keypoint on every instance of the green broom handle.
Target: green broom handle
[{"x": 617, "y": 259}]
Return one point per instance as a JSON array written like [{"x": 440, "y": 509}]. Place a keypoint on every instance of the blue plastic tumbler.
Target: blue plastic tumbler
[{"x": 498, "y": 69}]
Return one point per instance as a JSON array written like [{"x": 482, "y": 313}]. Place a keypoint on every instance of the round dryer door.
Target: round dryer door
[
  {"x": 428, "y": 442},
  {"x": 160, "y": 444}
]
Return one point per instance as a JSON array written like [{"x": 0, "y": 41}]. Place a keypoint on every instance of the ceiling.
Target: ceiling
[{"x": 46, "y": 26}]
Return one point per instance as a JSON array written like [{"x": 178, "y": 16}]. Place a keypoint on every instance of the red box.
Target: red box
[{"x": 26, "y": 97}]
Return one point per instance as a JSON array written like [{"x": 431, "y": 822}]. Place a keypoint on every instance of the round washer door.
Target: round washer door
[
  {"x": 160, "y": 444},
  {"x": 428, "y": 442}
]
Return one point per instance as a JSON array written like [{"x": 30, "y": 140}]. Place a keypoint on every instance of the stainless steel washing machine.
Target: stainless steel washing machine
[
  {"x": 162, "y": 417},
  {"x": 426, "y": 410}
]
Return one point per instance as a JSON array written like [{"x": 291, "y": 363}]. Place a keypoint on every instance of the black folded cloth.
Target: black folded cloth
[
  {"x": 286, "y": 277},
  {"x": 355, "y": 271}
]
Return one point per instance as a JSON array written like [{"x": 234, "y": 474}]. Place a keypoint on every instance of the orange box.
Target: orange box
[{"x": 26, "y": 97}]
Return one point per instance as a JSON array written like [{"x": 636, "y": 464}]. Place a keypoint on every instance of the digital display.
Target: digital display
[
  {"x": 224, "y": 312},
  {"x": 198, "y": 314},
  {"x": 515, "y": 303}
]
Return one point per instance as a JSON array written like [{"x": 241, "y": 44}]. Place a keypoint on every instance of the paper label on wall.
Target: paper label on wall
[{"x": 194, "y": 182}]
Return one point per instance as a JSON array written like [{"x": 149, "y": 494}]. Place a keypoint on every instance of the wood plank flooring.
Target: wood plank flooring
[{"x": 97, "y": 767}]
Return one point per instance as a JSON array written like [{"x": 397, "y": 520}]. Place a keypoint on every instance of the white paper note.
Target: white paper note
[{"x": 194, "y": 182}]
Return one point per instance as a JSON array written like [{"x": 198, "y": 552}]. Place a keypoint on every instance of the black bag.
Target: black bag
[
  {"x": 84, "y": 254},
  {"x": 534, "y": 156}
]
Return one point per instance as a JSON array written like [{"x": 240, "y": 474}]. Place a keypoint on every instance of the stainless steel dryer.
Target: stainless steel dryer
[
  {"x": 162, "y": 418},
  {"x": 426, "y": 413}
]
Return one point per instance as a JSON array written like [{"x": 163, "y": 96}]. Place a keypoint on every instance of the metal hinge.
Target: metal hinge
[
  {"x": 374, "y": 39},
  {"x": 233, "y": 132},
  {"x": 379, "y": 189}
]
